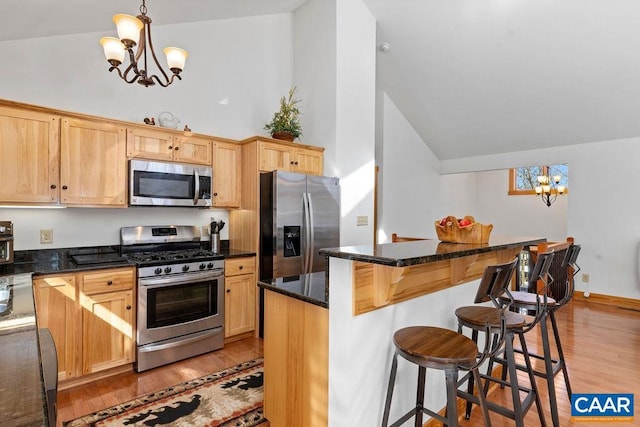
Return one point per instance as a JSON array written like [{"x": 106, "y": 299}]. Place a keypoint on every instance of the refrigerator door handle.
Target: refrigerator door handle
[
  {"x": 312, "y": 234},
  {"x": 307, "y": 231}
]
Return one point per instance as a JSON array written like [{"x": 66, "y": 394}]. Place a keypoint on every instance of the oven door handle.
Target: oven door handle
[
  {"x": 156, "y": 282},
  {"x": 180, "y": 341}
]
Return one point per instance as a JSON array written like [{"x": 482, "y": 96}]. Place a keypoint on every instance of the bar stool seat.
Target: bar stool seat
[{"x": 435, "y": 348}]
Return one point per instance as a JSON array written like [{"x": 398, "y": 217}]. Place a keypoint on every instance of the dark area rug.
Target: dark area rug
[{"x": 232, "y": 397}]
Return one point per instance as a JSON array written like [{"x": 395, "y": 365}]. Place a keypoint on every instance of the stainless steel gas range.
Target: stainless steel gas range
[{"x": 180, "y": 310}]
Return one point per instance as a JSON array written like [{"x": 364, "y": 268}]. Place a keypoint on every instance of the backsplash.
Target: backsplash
[{"x": 78, "y": 227}]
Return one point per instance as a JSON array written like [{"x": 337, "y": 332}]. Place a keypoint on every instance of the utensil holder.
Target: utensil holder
[{"x": 214, "y": 242}]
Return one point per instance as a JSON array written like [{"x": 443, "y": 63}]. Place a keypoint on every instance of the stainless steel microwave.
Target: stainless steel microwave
[{"x": 169, "y": 184}]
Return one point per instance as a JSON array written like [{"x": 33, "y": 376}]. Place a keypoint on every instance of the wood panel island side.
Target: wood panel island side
[{"x": 372, "y": 291}]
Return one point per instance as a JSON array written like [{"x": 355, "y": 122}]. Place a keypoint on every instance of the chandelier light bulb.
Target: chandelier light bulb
[
  {"x": 128, "y": 28},
  {"x": 176, "y": 58},
  {"x": 113, "y": 50}
]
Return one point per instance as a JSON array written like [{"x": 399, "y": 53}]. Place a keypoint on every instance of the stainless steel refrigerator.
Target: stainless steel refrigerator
[{"x": 299, "y": 215}]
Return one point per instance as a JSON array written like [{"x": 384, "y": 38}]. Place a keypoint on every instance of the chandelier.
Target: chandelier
[
  {"x": 134, "y": 31},
  {"x": 548, "y": 186}
]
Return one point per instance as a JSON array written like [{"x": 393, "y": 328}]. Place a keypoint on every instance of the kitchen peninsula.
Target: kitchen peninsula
[{"x": 376, "y": 290}]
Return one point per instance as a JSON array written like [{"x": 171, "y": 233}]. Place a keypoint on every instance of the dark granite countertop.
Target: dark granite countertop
[
  {"x": 311, "y": 288},
  {"x": 403, "y": 254},
  {"x": 21, "y": 381},
  {"x": 48, "y": 261}
]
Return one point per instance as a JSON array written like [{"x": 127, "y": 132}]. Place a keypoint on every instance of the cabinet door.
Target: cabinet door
[
  {"x": 226, "y": 174},
  {"x": 29, "y": 156},
  {"x": 107, "y": 330},
  {"x": 93, "y": 167},
  {"x": 274, "y": 157},
  {"x": 150, "y": 144},
  {"x": 192, "y": 150},
  {"x": 240, "y": 304},
  {"x": 308, "y": 161},
  {"x": 56, "y": 309}
]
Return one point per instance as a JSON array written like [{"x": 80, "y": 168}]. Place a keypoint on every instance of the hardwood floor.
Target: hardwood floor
[
  {"x": 88, "y": 398},
  {"x": 602, "y": 350},
  {"x": 601, "y": 344}
]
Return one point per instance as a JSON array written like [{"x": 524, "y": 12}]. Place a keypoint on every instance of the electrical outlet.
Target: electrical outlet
[
  {"x": 362, "y": 220},
  {"x": 585, "y": 278},
  {"x": 46, "y": 236}
]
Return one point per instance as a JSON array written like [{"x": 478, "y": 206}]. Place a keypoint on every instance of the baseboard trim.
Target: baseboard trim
[
  {"x": 462, "y": 404},
  {"x": 622, "y": 302}
]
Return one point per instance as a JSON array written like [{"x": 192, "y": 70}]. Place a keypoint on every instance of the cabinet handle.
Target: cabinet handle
[
  {"x": 128, "y": 307},
  {"x": 64, "y": 187},
  {"x": 109, "y": 282},
  {"x": 228, "y": 290}
]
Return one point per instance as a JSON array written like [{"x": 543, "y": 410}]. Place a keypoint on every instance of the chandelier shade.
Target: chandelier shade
[
  {"x": 135, "y": 31},
  {"x": 548, "y": 187}
]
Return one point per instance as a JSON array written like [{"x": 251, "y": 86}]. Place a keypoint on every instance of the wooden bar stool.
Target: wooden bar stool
[
  {"x": 451, "y": 352},
  {"x": 530, "y": 301},
  {"x": 475, "y": 317}
]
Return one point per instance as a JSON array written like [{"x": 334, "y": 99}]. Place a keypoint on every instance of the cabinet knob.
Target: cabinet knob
[
  {"x": 109, "y": 282},
  {"x": 296, "y": 163},
  {"x": 64, "y": 187},
  {"x": 291, "y": 162},
  {"x": 171, "y": 147},
  {"x": 215, "y": 194},
  {"x": 53, "y": 186},
  {"x": 177, "y": 148},
  {"x": 241, "y": 267},
  {"x": 228, "y": 290},
  {"x": 128, "y": 307}
]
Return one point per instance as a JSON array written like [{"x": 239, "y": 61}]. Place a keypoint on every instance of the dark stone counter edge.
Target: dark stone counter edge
[
  {"x": 346, "y": 253},
  {"x": 295, "y": 295},
  {"x": 51, "y": 261}
]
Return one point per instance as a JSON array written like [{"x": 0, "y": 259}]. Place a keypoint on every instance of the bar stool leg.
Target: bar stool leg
[
  {"x": 392, "y": 381},
  {"x": 482, "y": 397},
  {"x": 422, "y": 371},
  {"x": 451, "y": 379},
  {"x": 548, "y": 366},
  {"x": 532, "y": 379},
  {"x": 563, "y": 364},
  {"x": 513, "y": 379},
  {"x": 470, "y": 382}
]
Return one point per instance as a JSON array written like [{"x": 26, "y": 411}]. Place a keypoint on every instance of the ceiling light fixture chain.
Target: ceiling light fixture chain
[{"x": 136, "y": 31}]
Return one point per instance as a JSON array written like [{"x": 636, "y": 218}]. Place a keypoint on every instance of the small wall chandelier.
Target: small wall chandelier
[
  {"x": 548, "y": 187},
  {"x": 134, "y": 31}
]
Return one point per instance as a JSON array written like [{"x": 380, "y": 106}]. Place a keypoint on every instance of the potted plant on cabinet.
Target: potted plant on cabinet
[{"x": 285, "y": 123}]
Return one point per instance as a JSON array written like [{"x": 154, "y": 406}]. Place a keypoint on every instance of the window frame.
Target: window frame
[{"x": 513, "y": 191}]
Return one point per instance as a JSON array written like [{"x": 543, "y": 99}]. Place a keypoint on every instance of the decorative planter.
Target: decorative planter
[
  {"x": 452, "y": 232},
  {"x": 284, "y": 135}
]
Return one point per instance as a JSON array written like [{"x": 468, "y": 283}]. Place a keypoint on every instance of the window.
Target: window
[{"x": 524, "y": 180}]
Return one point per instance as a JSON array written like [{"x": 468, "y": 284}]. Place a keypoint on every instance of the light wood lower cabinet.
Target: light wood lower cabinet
[
  {"x": 91, "y": 318},
  {"x": 296, "y": 362},
  {"x": 240, "y": 296}
]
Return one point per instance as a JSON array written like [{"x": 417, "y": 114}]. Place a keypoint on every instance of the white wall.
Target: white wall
[
  {"x": 602, "y": 206},
  {"x": 236, "y": 72},
  {"x": 523, "y": 215},
  {"x": 412, "y": 194},
  {"x": 77, "y": 227}
]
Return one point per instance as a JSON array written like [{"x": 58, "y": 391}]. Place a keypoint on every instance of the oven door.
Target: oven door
[
  {"x": 169, "y": 184},
  {"x": 170, "y": 307}
]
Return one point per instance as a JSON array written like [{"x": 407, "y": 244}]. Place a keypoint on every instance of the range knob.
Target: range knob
[
  {"x": 210, "y": 265},
  {"x": 158, "y": 270},
  {"x": 185, "y": 268},
  {"x": 167, "y": 270},
  {"x": 202, "y": 266}
]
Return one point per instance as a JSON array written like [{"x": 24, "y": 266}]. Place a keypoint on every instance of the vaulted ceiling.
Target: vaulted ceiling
[{"x": 473, "y": 77}]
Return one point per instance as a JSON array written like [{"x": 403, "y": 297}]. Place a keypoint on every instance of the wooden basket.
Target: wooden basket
[{"x": 453, "y": 233}]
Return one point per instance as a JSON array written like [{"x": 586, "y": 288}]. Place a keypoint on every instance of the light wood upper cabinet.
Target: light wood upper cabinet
[
  {"x": 157, "y": 144},
  {"x": 29, "y": 156},
  {"x": 226, "y": 174},
  {"x": 93, "y": 163},
  {"x": 274, "y": 156},
  {"x": 57, "y": 310}
]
